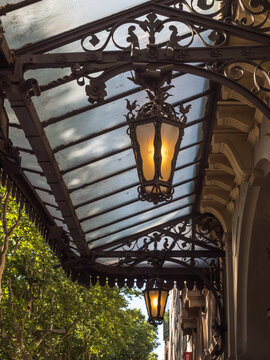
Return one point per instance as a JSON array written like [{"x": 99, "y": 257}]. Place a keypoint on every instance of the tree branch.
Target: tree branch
[
  {"x": 49, "y": 331},
  {"x": 4, "y": 213},
  {"x": 16, "y": 224}
]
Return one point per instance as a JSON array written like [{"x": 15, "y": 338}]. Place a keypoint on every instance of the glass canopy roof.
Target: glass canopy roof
[
  {"x": 67, "y": 68},
  {"x": 88, "y": 143}
]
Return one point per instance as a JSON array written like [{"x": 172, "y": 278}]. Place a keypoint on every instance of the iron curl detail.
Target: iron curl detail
[
  {"x": 260, "y": 73},
  {"x": 250, "y": 14},
  {"x": 203, "y": 7}
]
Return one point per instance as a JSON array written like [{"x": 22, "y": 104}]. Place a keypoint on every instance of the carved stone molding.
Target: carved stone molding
[
  {"x": 220, "y": 162},
  {"x": 216, "y": 193},
  {"x": 237, "y": 151},
  {"x": 194, "y": 298},
  {"x": 231, "y": 159},
  {"x": 232, "y": 114},
  {"x": 229, "y": 94},
  {"x": 218, "y": 210},
  {"x": 220, "y": 179}
]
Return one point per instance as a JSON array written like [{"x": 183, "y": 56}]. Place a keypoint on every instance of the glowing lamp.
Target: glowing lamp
[
  {"x": 155, "y": 295},
  {"x": 156, "y": 132}
]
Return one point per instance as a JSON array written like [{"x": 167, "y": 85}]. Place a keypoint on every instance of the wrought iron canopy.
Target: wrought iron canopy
[{"x": 64, "y": 148}]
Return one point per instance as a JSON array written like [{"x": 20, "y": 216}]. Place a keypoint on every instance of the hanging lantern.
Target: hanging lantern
[
  {"x": 155, "y": 295},
  {"x": 156, "y": 132}
]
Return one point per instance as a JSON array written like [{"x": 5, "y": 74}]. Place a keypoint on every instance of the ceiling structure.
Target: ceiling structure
[{"x": 64, "y": 147}]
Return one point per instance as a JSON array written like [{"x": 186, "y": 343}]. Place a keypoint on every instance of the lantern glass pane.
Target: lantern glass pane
[
  {"x": 169, "y": 137},
  {"x": 145, "y": 136},
  {"x": 146, "y": 298},
  {"x": 163, "y": 300},
  {"x": 153, "y": 295}
]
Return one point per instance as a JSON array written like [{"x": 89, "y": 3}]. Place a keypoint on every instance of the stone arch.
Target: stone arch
[{"x": 252, "y": 286}]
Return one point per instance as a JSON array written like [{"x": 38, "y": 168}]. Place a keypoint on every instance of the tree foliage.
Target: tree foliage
[{"x": 43, "y": 315}]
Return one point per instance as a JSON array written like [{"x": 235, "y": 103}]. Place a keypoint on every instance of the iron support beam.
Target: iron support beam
[
  {"x": 168, "y": 254},
  {"x": 6, "y": 56},
  {"x": 96, "y": 60},
  {"x": 29, "y": 120},
  {"x": 173, "y": 273}
]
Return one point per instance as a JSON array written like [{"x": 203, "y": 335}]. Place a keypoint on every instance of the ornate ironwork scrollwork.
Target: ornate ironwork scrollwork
[
  {"x": 202, "y": 232},
  {"x": 236, "y": 71},
  {"x": 213, "y": 8},
  {"x": 253, "y": 14},
  {"x": 96, "y": 89},
  {"x": 143, "y": 34}
]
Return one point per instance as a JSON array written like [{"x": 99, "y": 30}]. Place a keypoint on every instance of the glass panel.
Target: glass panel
[
  {"x": 128, "y": 211},
  {"x": 198, "y": 109},
  {"x": 185, "y": 174},
  {"x": 192, "y": 134},
  {"x": 29, "y": 161},
  {"x": 109, "y": 202},
  {"x": 115, "y": 183},
  {"x": 18, "y": 139},
  {"x": 128, "y": 195},
  {"x": 79, "y": 126},
  {"x": 100, "y": 169},
  {"x": 61, "y": 99},
  {"x": 188, "y": 155},
  {"x": 37, "y": 180},
  {"x": 10, "y": 113},
  {"x": 47, "y": 18},
  {"x": 4, "y": 2},
  {"x": 54, "y": 212},
  {"x": 125, "y": 233},
  {"x": 89, "y": 150},
  {"x": 47, "y": 198},
  {"x": 105, "y": 187},
  {"x": 186, "y": 86},
  {"x": 145, "y": 136},
  {"x": 169, "y": 137}
]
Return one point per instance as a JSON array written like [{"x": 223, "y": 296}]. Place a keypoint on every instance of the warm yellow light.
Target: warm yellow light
[
  {"x": 145, "y": 135},
  {"x": 151, "y": 152},
  {"x": 169, "y": 137},
  {"x": 164, "y": 154},
  {"x": 155, "y": 302}
]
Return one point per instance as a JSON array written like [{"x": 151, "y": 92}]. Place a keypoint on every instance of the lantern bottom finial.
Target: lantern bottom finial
[{"x": 155, "y": 193}]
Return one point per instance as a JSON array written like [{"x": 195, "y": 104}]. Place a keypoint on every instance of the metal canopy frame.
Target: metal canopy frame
[{"x": 189, "y": 248}]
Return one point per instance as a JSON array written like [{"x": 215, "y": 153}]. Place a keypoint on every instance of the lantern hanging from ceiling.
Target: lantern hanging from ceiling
[
  {"x": 156, "y": 132},
  {"x": 155, "y": 295}
]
